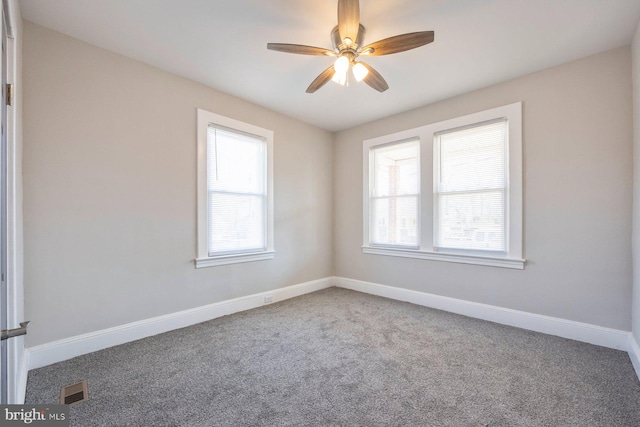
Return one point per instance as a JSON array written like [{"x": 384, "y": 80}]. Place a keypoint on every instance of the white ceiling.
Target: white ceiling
[{"x": 222, "y": 44}]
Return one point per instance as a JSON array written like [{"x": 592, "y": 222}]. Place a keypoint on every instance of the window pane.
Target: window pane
[
  {"x": 473, "y": 159},
  {"x": 394, "y": 221},
  {"x": 471, "y": 221},
  {"x": 470, "y": 202},
  {"x": 236, "y": 162},
  {"x": 396, "y": 169},
  {"x": 236, "y": 222}
]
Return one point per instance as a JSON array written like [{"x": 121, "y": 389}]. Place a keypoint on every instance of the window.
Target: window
[
  {"x": 395, "y": 194},
  {"x": 235, "y": 203},
  {"x": 470, "y": 188},
  {"x": 470, "y": 173}
]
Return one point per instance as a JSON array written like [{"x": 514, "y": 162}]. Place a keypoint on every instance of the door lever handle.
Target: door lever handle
[{"x": 10, "y": 333}]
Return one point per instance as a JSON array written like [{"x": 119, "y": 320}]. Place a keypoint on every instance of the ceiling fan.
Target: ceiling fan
[{"x": 347, "y": 38}]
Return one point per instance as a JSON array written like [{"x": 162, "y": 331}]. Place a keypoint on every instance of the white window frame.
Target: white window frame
[
  {"x": 513, "y": 257},
  {"x": 204, "y": 259}
]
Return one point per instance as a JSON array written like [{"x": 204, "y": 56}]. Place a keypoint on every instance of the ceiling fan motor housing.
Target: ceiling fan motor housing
[{"x": 338, "y": 43}]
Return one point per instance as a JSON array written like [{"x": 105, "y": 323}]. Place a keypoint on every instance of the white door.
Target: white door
[
  {"x": 12, "y": 346},
  {"x": 4, "y": 314}
]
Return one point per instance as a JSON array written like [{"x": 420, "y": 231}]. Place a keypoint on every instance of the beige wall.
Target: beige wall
[
  {"x": 110, "y": 192},
  {"x": 635, "y": 302},
  {"x": 577, "y": 197}
]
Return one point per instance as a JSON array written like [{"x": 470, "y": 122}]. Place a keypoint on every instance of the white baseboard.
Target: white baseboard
[
  {"x": 592, "y": 334},
  {"x": 634, "y": 354},
  {"x": 57, "y": 351},
  {"x": 23, "y": 373}
]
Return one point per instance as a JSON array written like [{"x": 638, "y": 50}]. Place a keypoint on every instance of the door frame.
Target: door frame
[{"x": 17, "y": 366}]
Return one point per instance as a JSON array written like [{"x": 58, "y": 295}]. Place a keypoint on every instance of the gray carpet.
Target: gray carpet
[{"x": 338, "y": 357}]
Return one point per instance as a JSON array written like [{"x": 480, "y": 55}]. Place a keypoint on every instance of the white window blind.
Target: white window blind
[
  {"x": 394, "y": 196},
  {"x": 237, "y": 191},
  {"x": 471, "y": 188}
]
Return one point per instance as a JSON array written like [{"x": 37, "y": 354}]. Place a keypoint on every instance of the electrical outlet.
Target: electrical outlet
[{"x": 268, "y": 299}]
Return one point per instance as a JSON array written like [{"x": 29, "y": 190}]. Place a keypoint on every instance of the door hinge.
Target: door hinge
[{"x": 10, "y": 94}]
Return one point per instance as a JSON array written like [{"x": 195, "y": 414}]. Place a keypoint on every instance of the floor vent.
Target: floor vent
[{"x": 74, "y": 393}]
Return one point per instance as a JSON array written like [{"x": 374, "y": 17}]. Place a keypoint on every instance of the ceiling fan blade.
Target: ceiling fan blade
[
  {"x": 374, "y": 79},
  {"x": 321, "y": 80},
  {"x": 348, "y": 19},
  {"x": 398, "y": 43},
  {"x": 300, "y": 49}
]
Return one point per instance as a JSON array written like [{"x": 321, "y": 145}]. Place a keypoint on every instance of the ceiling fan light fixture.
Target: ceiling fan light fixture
[
  {"x": 359, "y": 71},
  {"x": 341, "y": 68},
  {"x": 341, "y": 65},
  {"x": 341, "y": 79}
]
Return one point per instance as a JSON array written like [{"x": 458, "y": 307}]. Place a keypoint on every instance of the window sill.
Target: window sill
[
  {"x": 233, "y": 259},
  {"x": 517, "y": 264}
]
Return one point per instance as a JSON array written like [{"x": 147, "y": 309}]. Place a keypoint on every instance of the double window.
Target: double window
[
  {"x": 235, "y": 203},
  {"x": 449, "y": 191}
]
